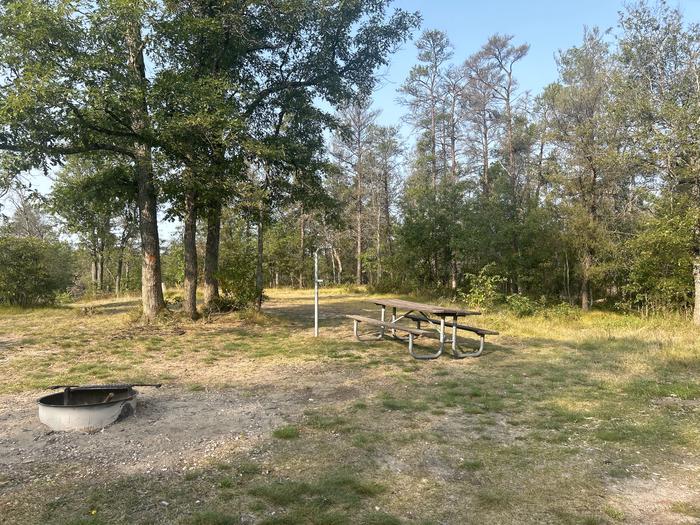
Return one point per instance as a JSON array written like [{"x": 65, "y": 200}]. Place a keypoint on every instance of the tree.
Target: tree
[
  {"x": 29, "y": 218},
  {"x": 591, "y": 146},
  {"x": 384, "y": 162},
  {"x": 91, "y": 96},
  {"x": 480, "y": 113},
  {"x": 33, "y": 271},
  {"x": 422, "y": 92},
  {"x": 351, "y": 149},
  {"x": 265, "y": 64},
  {"x": 660, "y": 59},
  {"x": 95, "y": 197}
]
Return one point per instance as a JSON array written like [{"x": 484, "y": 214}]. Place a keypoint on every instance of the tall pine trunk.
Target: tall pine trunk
[
  {"x": 118, "y": 277},
  {"x": 302, "y": 247},
  {"x": 211, "y": 254},
  {"x": 151, "y": 291},
  {"x": 190, "y": 247},
  {"x": 586, "y": 264},
  {"x": 696, "y": 258},
  {"x": 696, "y": 276},
  {"x": 259, "y": 262},
  {"x": 101, "y": 265},
  {"x": 93, "y": 268},
  {"x": 358, "y": 229}
]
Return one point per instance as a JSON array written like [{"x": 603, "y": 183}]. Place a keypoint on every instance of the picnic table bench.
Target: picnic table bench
[{"x": 421, "y": 313}]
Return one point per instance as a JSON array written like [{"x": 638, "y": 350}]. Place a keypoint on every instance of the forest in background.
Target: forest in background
[{"x": 586, "y": 193}]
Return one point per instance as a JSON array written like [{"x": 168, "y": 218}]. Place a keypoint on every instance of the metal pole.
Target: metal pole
[{"x": 316, "y": 293}]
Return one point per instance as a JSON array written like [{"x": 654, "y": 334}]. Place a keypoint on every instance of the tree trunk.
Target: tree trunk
[
  {"x": 259, "y": 264},
  {"x": 302, "y": 248},
  {"x": 379, "y": 243},
  {"x": 696, "y": 276},
  {"x": 485, "y": 183},
  {"x": 387, "y": 213},
  {"x": 118, "y": 277},
  {"x": 211, "y": 254},
  {"x": 101, "y": 265},
  {"x": 93, "y": 269},
  {"x": 190, "y": 247},
  {"x": 151, "y": 291},
  {"x": 339, "y": 263},
  {"x": 453, "y": 274},
  {"x": 433, "y": 141},
  {"x": 586, "y": 264}
]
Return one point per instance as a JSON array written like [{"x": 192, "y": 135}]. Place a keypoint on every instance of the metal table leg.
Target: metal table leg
[
  {"x": 381, "y": 331},
  {"x": 442, "y": 333},
  {"x": 476, "y": 353},
  {"x": 421, "y": 356},
  {"x": 454, "y": 336},
  {"x": 355, "y": 330}
]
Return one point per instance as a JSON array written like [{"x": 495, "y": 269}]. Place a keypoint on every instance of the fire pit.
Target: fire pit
[{"x": 89, "y": 407}]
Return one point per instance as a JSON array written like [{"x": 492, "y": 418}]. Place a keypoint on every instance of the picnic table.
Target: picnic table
[{"x": 433, "y": 317}]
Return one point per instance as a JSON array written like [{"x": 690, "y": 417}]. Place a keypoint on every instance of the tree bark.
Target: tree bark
[
  {"x": 696, "y": 276},
  {"x": 358, "y": 227},
  {"x": 378, "y": 241},
  {"x": 118, "y": 277},
  {"x": 101, "y": 265},
  {"x": 339, "y": 263},
  {"x": 93, "y": 269},
  {"x": 259, "y": 263},
  {"x": 190, "y": 247},
  {"x": 151, "y": 291},
  {"x": 485, "y": 182},
  {"x": 301, "y": 248},
  {"x": 586, "y": 264},
  {"x": 211, "y": 254}
]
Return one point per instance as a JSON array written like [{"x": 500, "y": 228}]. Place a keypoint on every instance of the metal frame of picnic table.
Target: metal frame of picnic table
[{"x": 425, "y": 310}]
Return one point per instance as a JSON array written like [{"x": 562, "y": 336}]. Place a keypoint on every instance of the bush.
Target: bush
[
  {"x": 34, "y": 272},
  {"x": 521, "y": 305},
  {"x": 563, "y": 311},
  {"x": 237, "y": 275},
  {"x": 483, "y": 288},
  {"x": 659, "y": 260}
]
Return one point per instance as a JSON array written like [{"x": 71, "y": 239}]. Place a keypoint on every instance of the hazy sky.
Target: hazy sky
[{"x": 547, "y": 25}]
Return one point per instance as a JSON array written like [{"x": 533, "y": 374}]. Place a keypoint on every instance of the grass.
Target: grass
[
  {"x": 286, "y": 432},
  {"x": 564, "y": 419},
  {"x": 686, "y": 509}
]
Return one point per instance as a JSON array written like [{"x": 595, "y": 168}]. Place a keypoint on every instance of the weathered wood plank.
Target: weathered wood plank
[
  {"x": 389, "y": 325},
  {"x": 479, "y": 331},
  {"x": 423, "y": 307}
]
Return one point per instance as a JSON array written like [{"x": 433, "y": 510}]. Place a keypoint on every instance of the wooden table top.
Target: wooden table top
[{"x": 422, "y": 307}]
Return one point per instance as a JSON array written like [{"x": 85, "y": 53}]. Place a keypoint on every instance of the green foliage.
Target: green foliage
[
  {"x": 484, "y": 288},
  {"x": 33, "y": 272},
  {"x": 521, "y": 305},
  {"x": 658, "y": 259},
  {"x": 288, "y": 432},
  {"x": 237, "y": 269},
  {"x": 563, "y": 311},
  {"x": 172, "y": 264}
]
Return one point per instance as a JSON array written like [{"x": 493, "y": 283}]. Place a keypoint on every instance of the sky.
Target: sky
[{"x": 547, "y": 25}]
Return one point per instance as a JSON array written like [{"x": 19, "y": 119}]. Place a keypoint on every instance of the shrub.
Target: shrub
[
  {"x": 483, "y": 288},
  {"x": 237, "y": 274},
  {"x": 521, "y": 305},
  {"x": 34, "y": 272},
  {"x": 563, "y": 310}
]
